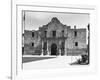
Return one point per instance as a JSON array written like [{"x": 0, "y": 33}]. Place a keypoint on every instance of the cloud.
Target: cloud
[{"x": 36, "y": 19}]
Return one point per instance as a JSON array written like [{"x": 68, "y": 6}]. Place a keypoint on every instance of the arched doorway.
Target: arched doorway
[{"x": 53, "y": 49}]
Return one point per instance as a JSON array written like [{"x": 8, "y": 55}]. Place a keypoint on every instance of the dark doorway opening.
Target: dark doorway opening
[{"x": 53, "y": 49}]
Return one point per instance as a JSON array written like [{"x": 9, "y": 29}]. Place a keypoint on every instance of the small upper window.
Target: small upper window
[
  {"x": 76, "y": 43},
  {"x": 62, "y": 33},
  {"x": 75, "y": 33},
  {"x": 54, "y": 33},
  {"x": 32, "y": 44},
  {"x": 45, "y": 33},
  {"x": 32, "y": 34}
]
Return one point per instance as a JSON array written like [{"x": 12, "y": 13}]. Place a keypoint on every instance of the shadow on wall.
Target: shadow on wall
[{"x": 31, "y": 59}]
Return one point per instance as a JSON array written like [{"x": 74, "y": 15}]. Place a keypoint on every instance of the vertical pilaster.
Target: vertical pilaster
[
  {"x": 47, "y": 49},
  {"x": 42, "y": 48}
]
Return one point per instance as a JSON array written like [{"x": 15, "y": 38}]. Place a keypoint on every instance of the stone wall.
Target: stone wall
[
  {"x": 31, "y": 43},
  {"x": 80, "y": 39}
]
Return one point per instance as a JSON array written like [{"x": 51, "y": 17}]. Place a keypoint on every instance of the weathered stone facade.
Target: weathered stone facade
[{"x": 55, "y": 38}]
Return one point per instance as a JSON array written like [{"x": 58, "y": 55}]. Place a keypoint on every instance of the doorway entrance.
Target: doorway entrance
[{"x": 53, "y": 49}]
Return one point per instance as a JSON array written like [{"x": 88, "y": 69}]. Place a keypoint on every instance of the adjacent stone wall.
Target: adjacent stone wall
[
  {"x": 29, "y": 40},
  {"x": 80, "y": 39}
]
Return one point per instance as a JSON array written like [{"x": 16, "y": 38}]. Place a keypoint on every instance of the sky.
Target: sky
[{"x": 34, "y": 20}]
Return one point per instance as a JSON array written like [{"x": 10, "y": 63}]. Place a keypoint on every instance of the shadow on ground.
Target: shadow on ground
[{"x": 31, "y": 59}]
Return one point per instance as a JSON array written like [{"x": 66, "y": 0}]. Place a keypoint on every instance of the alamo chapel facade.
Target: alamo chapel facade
[{"x": 55, "y": 38}]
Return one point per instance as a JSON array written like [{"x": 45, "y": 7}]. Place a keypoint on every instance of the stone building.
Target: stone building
[{"x": 55, "y": 38}]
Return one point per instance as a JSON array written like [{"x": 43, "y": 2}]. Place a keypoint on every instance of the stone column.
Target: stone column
[
  {"x": 42, "y": 48},
  {"x": 59, "y": 51},
  {"x": 47, "y": 49},
  {"x": 59, "y": 48},
  {"x": 65, "y": 48}
]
